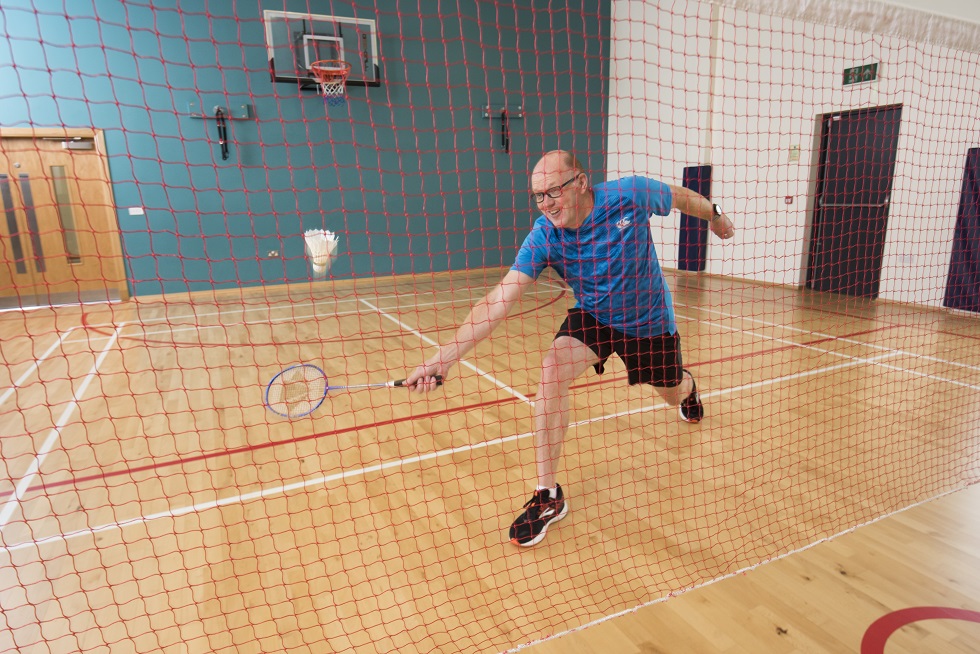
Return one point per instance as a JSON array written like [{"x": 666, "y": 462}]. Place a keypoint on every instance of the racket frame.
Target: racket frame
[
  {"x": 394, "y": 383},
  {"x": 314, "y": 404}
]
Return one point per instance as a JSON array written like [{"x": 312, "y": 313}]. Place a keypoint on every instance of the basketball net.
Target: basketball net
[{"x": 331, "y": 74}]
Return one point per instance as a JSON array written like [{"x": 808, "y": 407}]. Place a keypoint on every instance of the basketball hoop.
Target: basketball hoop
[{"x": 331, "y": 74}]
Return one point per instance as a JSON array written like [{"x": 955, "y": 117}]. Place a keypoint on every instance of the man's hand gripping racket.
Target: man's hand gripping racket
[{"x": 428, "y": 376}]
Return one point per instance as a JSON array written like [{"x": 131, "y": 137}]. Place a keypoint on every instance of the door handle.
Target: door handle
[
  {"x": 821, "y": 203},
  {"x": 6, "y": 200},
  {"x": 32, "y": 227}
]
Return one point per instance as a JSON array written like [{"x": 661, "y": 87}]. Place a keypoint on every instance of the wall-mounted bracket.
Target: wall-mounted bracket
[
  {"x": 490, "y": 112},
  {"x": 238, "y": 112},
  {"x": 504, "y": 115}
]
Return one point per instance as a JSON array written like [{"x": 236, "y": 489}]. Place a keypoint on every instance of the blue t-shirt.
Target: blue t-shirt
[{"x": 610, "y": 261}]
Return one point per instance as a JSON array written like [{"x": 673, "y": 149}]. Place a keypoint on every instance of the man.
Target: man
[{"x": 598, "y": 239}]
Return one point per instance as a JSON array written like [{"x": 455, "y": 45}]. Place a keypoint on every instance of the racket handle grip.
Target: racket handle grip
[{"x": 401, "y": 382}]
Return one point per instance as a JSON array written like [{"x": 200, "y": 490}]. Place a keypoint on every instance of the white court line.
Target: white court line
[
  {"x": 748, "y": 568},
  {"x": 275, "y": 306},
  {"x": 812, "y": 333},
  {"x": 201, "y": 328},
  {"x": 821, "y": 335},
  {"x": 25, "y": 482},
  {"x": 57, "y": 306},
  {"x": 34, "y": 367},
  {"x": 388, "y": 465},
  {"x": 462, "y": 362},
  {"x": 401, "y": 462},
  {"x": 680, "y": 315},
  {"x": 267, "y": 321},
  {"x": 837, "y": 339}
]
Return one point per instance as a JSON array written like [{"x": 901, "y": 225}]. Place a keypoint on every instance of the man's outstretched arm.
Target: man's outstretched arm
[
  {"x": 695, "y": 204},
  {"x": 480, "y": 323}
]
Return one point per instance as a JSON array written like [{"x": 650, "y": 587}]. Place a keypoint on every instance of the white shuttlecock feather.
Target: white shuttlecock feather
[{"x": 321, "y": 245}]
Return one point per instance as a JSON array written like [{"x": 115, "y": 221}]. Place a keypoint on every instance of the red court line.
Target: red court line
[
  {"x": 736, "y": 357},
  {"x": 957, "y": 334},
  {"x": 748, "y": 355},
  {"x": 793, "y": 302},
  {"x": 75, "y": 481},
  {"x": 106, "y": 330},
  {"x": 131, "y": 470},
  {"x": 881, "y": 629},
  {"x": 891, "y": 320}
]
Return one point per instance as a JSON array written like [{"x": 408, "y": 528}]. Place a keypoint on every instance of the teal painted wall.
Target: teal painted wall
[{"x": 409, "y": 174}]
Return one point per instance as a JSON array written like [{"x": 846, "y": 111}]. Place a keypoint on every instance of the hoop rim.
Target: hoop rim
[{"x": 329, "y": 70}]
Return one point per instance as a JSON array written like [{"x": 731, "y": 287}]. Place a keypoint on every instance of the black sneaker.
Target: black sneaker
[
  {"x": 542, "y": 510},
  {"x": 691, "y": 409}
]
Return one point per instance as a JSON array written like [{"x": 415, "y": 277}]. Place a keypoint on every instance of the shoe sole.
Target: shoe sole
[
  {"x": 544, "y": 530},
  {"x": 689, "y": 420},
  {"x": 686, "y": 419}
]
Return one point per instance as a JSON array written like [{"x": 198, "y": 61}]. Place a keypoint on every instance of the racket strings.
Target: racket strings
[{"x": 297, "y": 391}]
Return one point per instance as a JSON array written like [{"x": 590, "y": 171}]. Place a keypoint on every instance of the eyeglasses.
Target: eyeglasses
[{"x": 554, "y": 192}]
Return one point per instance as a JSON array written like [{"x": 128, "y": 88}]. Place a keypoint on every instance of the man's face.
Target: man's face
[{"x": 558, "y": 191}]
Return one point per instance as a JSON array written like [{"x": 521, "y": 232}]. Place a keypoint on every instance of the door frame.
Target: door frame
[
  {"x": 814, "y": 182},
  {"x": 119, "y": 281},
  {"x": 811, "y": 196}
]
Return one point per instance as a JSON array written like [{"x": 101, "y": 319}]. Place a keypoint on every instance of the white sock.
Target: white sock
[{"x": 552, "y": 492}]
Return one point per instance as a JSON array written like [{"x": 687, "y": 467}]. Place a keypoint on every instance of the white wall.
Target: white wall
[
  {"x": 774, "y": 77},
  {"x": 958, "y": 9}
]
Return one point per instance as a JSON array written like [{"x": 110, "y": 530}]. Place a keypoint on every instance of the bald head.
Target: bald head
[
  {"x": 561, "y": 189},
  {"x": 558, "y": 161}
]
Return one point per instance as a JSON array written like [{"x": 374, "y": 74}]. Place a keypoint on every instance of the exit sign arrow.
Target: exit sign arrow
[{"x": 860, "y": 74}]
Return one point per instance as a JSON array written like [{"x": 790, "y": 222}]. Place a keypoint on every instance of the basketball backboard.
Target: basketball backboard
[{"x": 296, "y": 39}]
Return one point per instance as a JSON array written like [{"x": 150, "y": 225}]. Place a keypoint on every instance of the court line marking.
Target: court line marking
[
  {"x": 795, "y": 344},
  {"x": 821, "y": 334},
  {"x": 277, "y": 305},
  {"x": 541, "y": 282},
  {"x": 400, "y": 462},
  {"x": 807, "y": 346},
  {"x": 810, "y": 346},
  {"x": 244, "y": 322},
  {"x": 730, "y": 575},
  {"x": 889, "y": 351},
  {"x": 462, "y": 362},
  {"x": 183, "y": 461},
  {"x": 57, "y": 306},
  {"x": 841, "y": 339},
  {"x": 558, "y": 287},
  {"x": 320, "y": 480},
  {"x": 53, "y": 436},
  {"x": 34, "y": 367}
]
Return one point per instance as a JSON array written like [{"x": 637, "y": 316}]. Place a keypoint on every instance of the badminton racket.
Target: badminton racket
[{"x": 299, "y": 390}]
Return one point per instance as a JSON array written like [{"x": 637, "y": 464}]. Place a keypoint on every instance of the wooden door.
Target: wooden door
[{"x": 60, "y": 237}]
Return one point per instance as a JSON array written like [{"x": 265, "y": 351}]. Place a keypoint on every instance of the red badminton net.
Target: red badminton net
[{"x": 162, "y": 166}]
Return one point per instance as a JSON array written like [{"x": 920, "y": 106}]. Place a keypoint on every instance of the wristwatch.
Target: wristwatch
[{"x": 715, "y": 210}]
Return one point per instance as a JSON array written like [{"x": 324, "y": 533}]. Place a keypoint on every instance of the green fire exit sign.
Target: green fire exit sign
[{"x": 860, "y": 74}]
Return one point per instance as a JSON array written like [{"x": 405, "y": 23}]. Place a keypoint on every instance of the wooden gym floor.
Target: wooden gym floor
[{"x": 150, "y": 503}]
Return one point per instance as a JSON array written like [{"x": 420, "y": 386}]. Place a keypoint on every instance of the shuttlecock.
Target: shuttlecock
[{"x": 321, "y": 245}]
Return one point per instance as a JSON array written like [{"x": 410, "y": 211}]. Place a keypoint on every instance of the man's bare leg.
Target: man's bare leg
[{"x": 566, "y": 359}]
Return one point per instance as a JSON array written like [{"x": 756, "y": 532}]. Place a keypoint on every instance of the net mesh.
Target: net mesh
[
  {"x": 332, "y": 77},
  {"x": 151, "y": 289}
]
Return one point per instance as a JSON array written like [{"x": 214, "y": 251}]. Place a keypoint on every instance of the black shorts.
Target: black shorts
[{"x": 655, "y": 361}]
